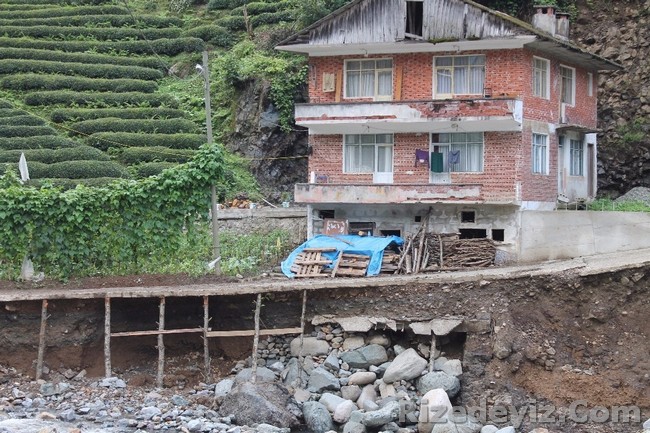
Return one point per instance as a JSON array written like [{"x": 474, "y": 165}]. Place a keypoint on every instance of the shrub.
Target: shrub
[
  {"x": 163, "y": 46},
  {"x": 256, "y": 8},
  {"x": 136, "y": 155},
  {"x": 272, "y": 18},
  {"x": 49, "y": 55},
  {"x": 106, "y": 140},
  {"x": 13, "y": 66},
  {"x": 77, "y": 169},
  {"x": 224, "y": 4},
  {"x": 216, "y": 35},
  {"x": 36, "y": 142},
  {"x": 39, "y": 12},
  {"x": 26, "y": 82},
  {"x": 22, "y": 120},
  {"x": 50, "y": 156},
  {"x": 71, "y": 183},
  {"x": 100, "y": 100},
  {"x": 112, "y": 34},
  {"x": 25, "y": 131},
  {"x": 10, "y": 112},
  {"x": 142, "y": 21},
  {"x": 147, "y": 169},
  {"x": 112, "y": 124},
  {"x": 234, "y": 23},
  {"x": 79, "y": 114},
  {"x": 5, "y": 104}
]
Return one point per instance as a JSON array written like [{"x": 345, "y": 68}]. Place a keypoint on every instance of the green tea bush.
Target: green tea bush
[
  {"x": 142, "y": 21},
  {"x": 147, "y": 169},
  {"x": 26, "y": 82},
  {"x": 112, "y": 124},
  {"x": 58, "y": 56},
  {"x": 66, "y": 184},
  {"x": 10, "y": 112},
  {"x": 107, "y": 140},
  {"x": 216, "y": 35},
  {"x": 50, "y": 156},
  {"x": 224, "y": 4},
  {"x": 77, "y": 169},
  {"x": 233, "y": 23},
  {"x": 36, "y": 142},
  {"x": 5, "y": 104},
  {"x": 25, "y": 131},
  {"x": 22, "y": 120},
  {"x": 272, "y": 18},
  {"x": 256, "y": 8},
  {"x": 39, "y": 12},
  {"x": 163, "y": 46},
  {"x": 78, "y": 114},
  {"x": 102, "y": 34},
  {"x": 100, "y": 100},
  {"x": 14, "y": 66},
  {"x": 136, "y": 155}
]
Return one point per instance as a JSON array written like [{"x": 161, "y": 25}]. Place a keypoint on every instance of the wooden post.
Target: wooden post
[
  {"x": 206, "y": 348},
  {"x": 441, "y": 257},
  {"x": 302, "y": 331},
  {"x": 256, "y": 337},
  {"x": 432, "y": 351},
  {"x": 41, "y": 340},
  {"x": 161, "y": 344},
  {"x": 107, "y": 337}
]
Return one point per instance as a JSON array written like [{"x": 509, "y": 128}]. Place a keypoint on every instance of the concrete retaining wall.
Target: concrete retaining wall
[
  {"x": 567, "y": 234},
  {"x": 243, "y": 221}
]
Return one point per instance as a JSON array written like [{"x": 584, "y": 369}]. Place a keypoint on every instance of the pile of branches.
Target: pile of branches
[{"x": 427, "y": 252}]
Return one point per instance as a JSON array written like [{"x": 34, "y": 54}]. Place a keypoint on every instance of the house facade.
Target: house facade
[{"x": 447, "y": 108}]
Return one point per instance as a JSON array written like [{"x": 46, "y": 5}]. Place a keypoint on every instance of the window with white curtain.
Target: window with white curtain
[
  {"x": 541, "y": 75},
  {"x": 576, "y": 158},
  {"x": 462, "y": 152},
  {"x": 368, "y": 153},
  {"x": 459, "y": 75},
  {"x": 372, "y": 78},
  {"x": 568, "y": 90},
  {"x": 540, "y": 153}
]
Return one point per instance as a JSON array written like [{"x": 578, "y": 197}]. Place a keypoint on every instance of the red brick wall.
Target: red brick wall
[{"x": 538, "y": 187}]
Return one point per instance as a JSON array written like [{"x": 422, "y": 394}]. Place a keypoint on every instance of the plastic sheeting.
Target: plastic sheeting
[{"x": 367, "y": 245}]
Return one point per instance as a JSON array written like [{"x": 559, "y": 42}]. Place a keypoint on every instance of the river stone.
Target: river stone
[
  {"x": 386, "y": 414},
  {"x": 350, "y": 392},
  {"x": 259, "y": 403},
  {"x": 263, "y": 375},
  {"x": 222, "y": 388},
  {"x": 343, "y": 411},
  {"x": 354, "y": 427},
  {"x": 322, "y": 380},
  {"x": 317, "y": 418},
  {"x": 353, "y": 342},
  {"x": 439, "y": 362},
  {"x": 330, "y": 401},
  {"x": 294, "y": 373},
  {"x": 368, "y": 394},
  {"x": 362, "y": 378},
  {"x": 195, "y": 425},
  {"x": 406, "y": 366},
  {"x": 149, "y": 412},
  {"x": 380, "y": 339},
  {"x": 453, "y": 367},
  {"x": 430, "y": 406},
  {"x": 439, "y": 379},
  {"x": 366, "y": 356},
  {"x": 489, "y": 429},
  {"x": 311, "y": 347},
  {"x": 646, "y": 425},
  {"x": 332, "y": 361},
  {"x": 507, "y": 430}
]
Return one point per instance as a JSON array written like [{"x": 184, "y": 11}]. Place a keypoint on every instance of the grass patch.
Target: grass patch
[{"x": 607, "y": 204}]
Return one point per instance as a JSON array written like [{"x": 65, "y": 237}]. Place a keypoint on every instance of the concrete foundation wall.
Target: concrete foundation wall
[
  {"x": 264, "y": 220},
  {"x": 567, "y": 234}
]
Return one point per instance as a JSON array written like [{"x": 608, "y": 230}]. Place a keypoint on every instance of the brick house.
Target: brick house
[{"x": 445, "y": 105}]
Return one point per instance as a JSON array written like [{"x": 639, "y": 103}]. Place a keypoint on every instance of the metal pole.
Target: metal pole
[{"x": 216, "y": 250}]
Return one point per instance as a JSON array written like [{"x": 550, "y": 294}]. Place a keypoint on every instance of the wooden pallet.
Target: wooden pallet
[
  {"x": 351, "y": 265},
  {"x": 389, "y": 262},
  {"x": 310, "y": 263}
]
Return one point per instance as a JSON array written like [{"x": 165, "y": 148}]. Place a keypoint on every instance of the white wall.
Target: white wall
[{"x": 567, "y": 234}]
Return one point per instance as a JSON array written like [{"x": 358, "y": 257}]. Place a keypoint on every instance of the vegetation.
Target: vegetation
[
  {"x": 162, "y": 46},
  {"x": 14, "y": 66},
  {"x": 100, "y": 100},
  {"x": 77, "y": 114},
  {"x": 111, "y": 124},
  {"x": 607, "y": 204},
  {"x": 26, "y": 82},
  {"x": 247, "y": 254},
  {"x": 49, "y": 156},
  {"x": 106, "y": 140},
  {"x": 39, "y": 54}
]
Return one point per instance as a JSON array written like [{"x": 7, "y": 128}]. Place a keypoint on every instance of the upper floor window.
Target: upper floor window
[
  {"x": 540, "y": 153},
  {"x": 590, "y": 84},
  {"x": 461, "y": 152},
  {"x": 541, "y": 75},
  {"x": 368, "y": 153},
  {"x": 414, "y": 18},
  {"x": 568, "y": 88},
  {"x": 459, "y": 75},
  {"x": 576, "y": 158},
  {"x": 369, "y": 79}
]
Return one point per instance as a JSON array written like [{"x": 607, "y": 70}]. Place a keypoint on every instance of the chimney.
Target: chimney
[
  {"x": 562, "y": 28},
  {"x": 548, "y": 20}
]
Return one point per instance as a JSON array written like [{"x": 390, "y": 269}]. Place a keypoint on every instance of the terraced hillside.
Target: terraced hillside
[{"x": 79, "y": 90}]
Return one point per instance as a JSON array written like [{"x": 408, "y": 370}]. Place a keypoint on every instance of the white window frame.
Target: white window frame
[
  {"x": 447, "y": 146},
  {"x": 539, "y": 150},
  {"x": 573, "y": 85},
  {"x": 375, "y": 95},
  {"x": 590, "y": 84},
  {"x": 544, "y": 88},
  {"x": 437, "y": 95},
  {"x": 576, "y": 158},
  {"x": 375, "y": 156}
]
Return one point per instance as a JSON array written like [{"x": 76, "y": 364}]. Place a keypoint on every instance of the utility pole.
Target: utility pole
[{"x": 216, "y": 248}]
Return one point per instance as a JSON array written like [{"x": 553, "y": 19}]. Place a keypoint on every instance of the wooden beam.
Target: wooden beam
[
  {"x": 41, "y": 340},
  {"x": 206, "y": 347},
  {"x": 339, "y": 86},
  {"x": 107, "y": 337},
  {"x": 398, "y": 83},
  {"x": 432, "y": 352},
  {"x": 256, "y": 337},
  {"x": 251, "y": 332},
  {"x": 302, "y": 331},
  {"x": 156, "y": 332},
  {"x": 161, "y": 344}
]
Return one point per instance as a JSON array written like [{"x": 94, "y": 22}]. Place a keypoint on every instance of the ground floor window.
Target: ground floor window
[
  {"x": 368, "y": 153},
  {"x": 577, "y": 153},
  {"x": 540, "y": 153},
  {"x": 461, "y": 152}
]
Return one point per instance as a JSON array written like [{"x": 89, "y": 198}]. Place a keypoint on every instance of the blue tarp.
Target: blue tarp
[{"x": 367, "y": 245}]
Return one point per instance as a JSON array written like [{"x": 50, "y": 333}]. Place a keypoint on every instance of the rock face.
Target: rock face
[
  {"x": 259, "y": 403},
  {"x": 317, "y": 417},
  {"x": 407, "y": 365}
]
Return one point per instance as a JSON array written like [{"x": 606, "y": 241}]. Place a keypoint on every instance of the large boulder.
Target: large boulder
[
  {"x": 343, "y": 411},
  {"x": 406, "y": 366},
  {"x": 317, "y": 417},
  {"x": 489, "y": 429},
  {"x": 259, "y": 403},
  {"x": 364, "y": 357},
  {"x": 439, "y": 379},
  {"x": 368, "y": 394},
  {"x": 263, "y": 374},
  {"x": 433, "y": 403},
  {"x": 311, "y": 346},
  {"x": 377, "y": 418},
  {"x": 330, "y": 401},
  {"x": 322, "y": 380},
  {"x": 453, "y": 367},
  {"x": 294, "y": 374},
  {"x": 222, "y": 389},
  {"x": 509, "y": 429}
]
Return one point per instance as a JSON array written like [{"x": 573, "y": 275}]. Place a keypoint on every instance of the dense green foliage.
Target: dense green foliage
[
  {"x": 22, "y": 120},
  {"x": 101, "y": 34},
  {"x": 136, "y": 155},
  {"x": 111, "y": 124},
  {"x": 95, "y": 20},
  {"x": 607, "y": 204},
  {"x": 106, "y": 140},
  {"x": 100, "y": 100},
  {"x": 10, "y": 112},
  {"x": 244, "y": 254},
  {"x": 163, "y": 46},
  {"x": 39, "y": 12},
  {"x": 147, "y": 169},
  {"x": 13, "y": 66},
  {"x": 78, "y": 114},
  {"x": 37, "y": 142},
  {"x": 25, "y": 131},
  {"x": 26, "y": 82},
  {"x": 50, "y": 156},
  {"x": 215, "y": 35},
  {"x": 59, "y": 56},
  {"x": 77, "y": 169}
]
